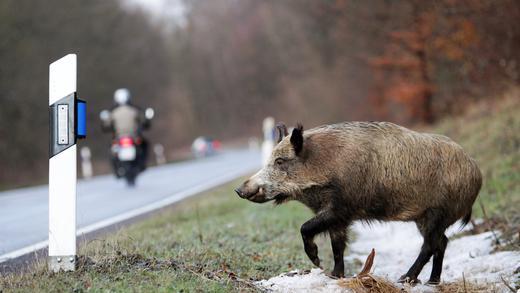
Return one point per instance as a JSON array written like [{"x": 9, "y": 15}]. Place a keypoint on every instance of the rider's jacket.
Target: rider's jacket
[{"x": 126, "y": 120}]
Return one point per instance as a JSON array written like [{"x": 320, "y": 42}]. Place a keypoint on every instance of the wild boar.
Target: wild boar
[{"x": 370, "y": 171}]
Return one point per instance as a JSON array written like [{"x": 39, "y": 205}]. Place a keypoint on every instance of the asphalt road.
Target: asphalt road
[{"x": 103, "y": 200}]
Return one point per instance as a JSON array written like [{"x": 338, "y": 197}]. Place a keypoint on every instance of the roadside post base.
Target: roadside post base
[{"x": 64, "y": 263}]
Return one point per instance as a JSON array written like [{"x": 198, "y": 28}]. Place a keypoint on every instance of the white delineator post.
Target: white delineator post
[
  {"x": 86, "y": 162},
  {"x": 160, "y": 158},
  {"x": 268, "y": 143},
  {"x": 62, "y": 164}
]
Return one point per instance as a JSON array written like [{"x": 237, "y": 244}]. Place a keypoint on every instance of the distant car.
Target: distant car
[{"x": 204, "y": 146}]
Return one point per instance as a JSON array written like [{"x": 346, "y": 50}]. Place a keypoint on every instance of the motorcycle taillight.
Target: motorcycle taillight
[{"x": 126, "y": 141}]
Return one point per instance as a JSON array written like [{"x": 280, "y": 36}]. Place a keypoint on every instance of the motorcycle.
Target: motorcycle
[
  {"x": 127, "y": 156},
  {"x": 129, "y": 153}
]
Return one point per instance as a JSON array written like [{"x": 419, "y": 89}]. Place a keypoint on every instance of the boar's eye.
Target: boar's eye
[{"x": 279, "y": 161}]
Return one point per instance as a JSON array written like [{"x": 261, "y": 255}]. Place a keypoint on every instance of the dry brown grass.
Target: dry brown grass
[
  {"x": 369, "y": 284},
  {"x": 374, "y": 284},
  {"x": 364, "y": 282},
  {"x": 467, "y": 287}
]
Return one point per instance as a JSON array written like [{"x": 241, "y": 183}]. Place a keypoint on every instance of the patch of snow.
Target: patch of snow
[
  {"x": 397, "y": 244},
  {"x": 295, "y": 281}
]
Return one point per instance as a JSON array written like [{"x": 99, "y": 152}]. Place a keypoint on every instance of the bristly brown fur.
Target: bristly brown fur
[{"x": 279, "y": 199}]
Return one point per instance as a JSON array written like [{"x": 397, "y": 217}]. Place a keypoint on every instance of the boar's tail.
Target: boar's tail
[{"x": 465, "y": 219}]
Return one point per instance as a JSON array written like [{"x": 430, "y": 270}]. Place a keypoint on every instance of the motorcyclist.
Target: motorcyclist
[{"x": 127, "y": 120}]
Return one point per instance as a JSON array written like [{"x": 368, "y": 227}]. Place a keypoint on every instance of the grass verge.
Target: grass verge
[{"x": 215, "y": 242}]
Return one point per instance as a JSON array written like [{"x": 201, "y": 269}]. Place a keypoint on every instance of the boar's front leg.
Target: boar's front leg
[
  {"x": 319, "y": 224},
  {"x": 338, "y": 239}
]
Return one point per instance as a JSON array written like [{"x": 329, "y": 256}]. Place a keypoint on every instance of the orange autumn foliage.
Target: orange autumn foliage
[{"x": 403, "y": 73}]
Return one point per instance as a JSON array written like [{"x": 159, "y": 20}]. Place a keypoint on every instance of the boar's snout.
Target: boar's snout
[
  {"x": 251, "y": 191},
  {"x": 247, "y": 190},
  {"x": 239, "y": 192}
]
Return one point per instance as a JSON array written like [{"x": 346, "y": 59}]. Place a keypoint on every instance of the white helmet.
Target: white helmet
[{"x": 122, "y": 96}]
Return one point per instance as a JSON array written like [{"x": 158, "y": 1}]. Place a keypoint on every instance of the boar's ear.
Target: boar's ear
[
  {"x": 282, "y": 131},
  {"x": 297, "y": 138}
]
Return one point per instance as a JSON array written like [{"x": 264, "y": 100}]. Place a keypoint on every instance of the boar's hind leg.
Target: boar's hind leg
[
  {"x": 438, "y": 257},
  {"x": 338, "y": 239},
  {"x": 432, "y": 226},
  {"x": 415, "y": 269},
  {"x": 319, "y": 224}
]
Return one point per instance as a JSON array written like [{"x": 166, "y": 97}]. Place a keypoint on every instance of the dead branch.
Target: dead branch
[
  {"x": 488, "y": 222},
  {"x": 507, "y": 285}
]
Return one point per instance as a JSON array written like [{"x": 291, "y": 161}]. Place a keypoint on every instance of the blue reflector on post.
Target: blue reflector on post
[{"x": 81, "y": 108}]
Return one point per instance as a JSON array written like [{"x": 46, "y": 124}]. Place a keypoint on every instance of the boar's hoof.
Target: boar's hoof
[
  {"x": 408, "y": 280},
  {"x": 337, "y": 274},
  {"x": 316, "y": 262}
]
